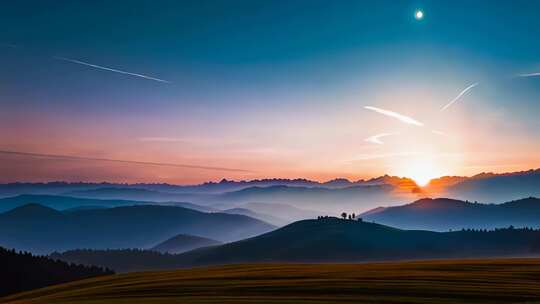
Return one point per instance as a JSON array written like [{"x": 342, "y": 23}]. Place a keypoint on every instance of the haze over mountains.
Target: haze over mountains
[
  {"x": 184, "y": 242},
  {"x": 40, "y": 229}
]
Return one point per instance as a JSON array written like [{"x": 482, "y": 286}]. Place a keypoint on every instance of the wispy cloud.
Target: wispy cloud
[
  {"x": 529, "y": 75},
  {"x": 441, "y": 133},
  {"x": 82, "y": 158},
  {"x": 376, "y": 139},
  {"x": 161, "y": 139},
  {"x": 110, "y": 69},
  {"x": 467, "y": 89},
  {"x": 400, "y": 117}
]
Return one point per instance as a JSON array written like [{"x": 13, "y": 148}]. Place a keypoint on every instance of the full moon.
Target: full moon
[{"x": 419, "y": 15}]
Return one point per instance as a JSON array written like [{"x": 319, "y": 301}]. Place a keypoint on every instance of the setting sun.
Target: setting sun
[{"x": 421, "y": 170}]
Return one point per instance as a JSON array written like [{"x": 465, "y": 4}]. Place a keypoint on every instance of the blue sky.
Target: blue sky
[{"x": 277, "y": 87}]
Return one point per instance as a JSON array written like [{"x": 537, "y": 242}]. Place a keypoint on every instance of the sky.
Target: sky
[{"x": 193, "y": 91}]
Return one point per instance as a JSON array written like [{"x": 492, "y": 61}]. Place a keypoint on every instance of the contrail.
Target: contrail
[
  {"x": 437, "y": 132},
  {"x": 376, "y": 139},
  {"x": 528, "y": 75},
  {"x": 459, "y": 96},
  {"x": 398, "y": 116},
  {"x": 9, "y": 45},
  {"x": 109, "y": 69},
  {"x": 70, "y": 157}
]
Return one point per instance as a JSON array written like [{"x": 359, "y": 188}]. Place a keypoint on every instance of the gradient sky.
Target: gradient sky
[{"x": 275, "y": 88}]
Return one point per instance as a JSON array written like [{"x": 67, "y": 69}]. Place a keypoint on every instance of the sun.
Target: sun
[
  {"x": 421, "y": 170},
  {"x": 419, "y": 15}
]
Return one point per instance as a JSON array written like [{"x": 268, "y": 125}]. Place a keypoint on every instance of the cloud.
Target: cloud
[
  {"x": 459, "y": 96},
  {"x": 161, "y": 139},
  {"x": 441, "y": 133},
  {"x": 144, "y": 163},
  {"x": 528, "y": 75},
  {"x": 395, "y": 115},
  {"x": 110, "y": 69},
  {"x": 376, "y": 139}
]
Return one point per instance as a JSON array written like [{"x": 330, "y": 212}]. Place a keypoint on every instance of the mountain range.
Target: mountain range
[{"x": 323, "y": 197}]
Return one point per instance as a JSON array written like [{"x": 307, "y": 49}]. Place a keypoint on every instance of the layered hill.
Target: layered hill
[
  {"x": 40, "y": 229},
  {"x": 337, "y": 240},
  {"x": 444, "y": 214}
]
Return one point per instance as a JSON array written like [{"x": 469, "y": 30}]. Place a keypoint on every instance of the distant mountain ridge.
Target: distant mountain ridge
[
  {"x": 224, "y": 185},
  {"x": 442, "y": 214},
  {"x": 68, "y": 202}
]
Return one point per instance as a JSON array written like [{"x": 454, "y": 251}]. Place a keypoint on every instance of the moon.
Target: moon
[{"x": 419, "y": 15}]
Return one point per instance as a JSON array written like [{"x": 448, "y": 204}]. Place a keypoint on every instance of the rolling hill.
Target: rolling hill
[
  {"x": 337, "y": 240},
  {"x": 182, "y": 243},
  {"x": 40, "y": 229},
  {"x": 426, "y": 282},
  {"x": 444, "y": 214}
]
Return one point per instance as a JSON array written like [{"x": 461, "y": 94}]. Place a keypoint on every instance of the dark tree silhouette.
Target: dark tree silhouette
[
  {"x": 344, "y": 215},
  {"x": 21, "y": 271}
]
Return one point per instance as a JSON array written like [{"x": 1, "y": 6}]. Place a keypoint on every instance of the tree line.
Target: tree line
[{"x": 22, "y": 271}]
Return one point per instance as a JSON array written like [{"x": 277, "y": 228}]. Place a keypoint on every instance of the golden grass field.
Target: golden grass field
[{"x": 442, "y": 281}]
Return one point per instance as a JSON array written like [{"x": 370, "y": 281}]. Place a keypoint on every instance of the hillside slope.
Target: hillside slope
[
  {"x": 444, "y": 214},
  {"x": 428, "y": 282},
  {"x": 182, "y": 243},
  {"x": 336, "y": 240}
]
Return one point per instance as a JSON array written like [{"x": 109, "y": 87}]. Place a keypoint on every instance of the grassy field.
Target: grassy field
[{"x": 445, "y": 281}]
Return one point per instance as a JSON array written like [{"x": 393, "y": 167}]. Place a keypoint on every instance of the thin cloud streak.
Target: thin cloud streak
[
  {"x": 529, "y": 75},
  {"x": 376, "y": 139},
  {"x": 9, "y": 45},
  {"x": 395, "y": 115},
  {"x": 161, "y": 139},
  {"x": 110, "y": 69},
  {"x": 70, "y": 157},
  {"x": 459, "y": 96}
]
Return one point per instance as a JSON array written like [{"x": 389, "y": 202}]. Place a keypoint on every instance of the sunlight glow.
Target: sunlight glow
[{"x": 421, "y": 170}]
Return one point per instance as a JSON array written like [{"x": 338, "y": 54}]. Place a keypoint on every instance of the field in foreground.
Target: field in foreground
[{"x": 444, "y": 281}]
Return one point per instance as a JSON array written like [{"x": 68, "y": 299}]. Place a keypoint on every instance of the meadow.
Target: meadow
[{"x": 436, "y": 281}]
